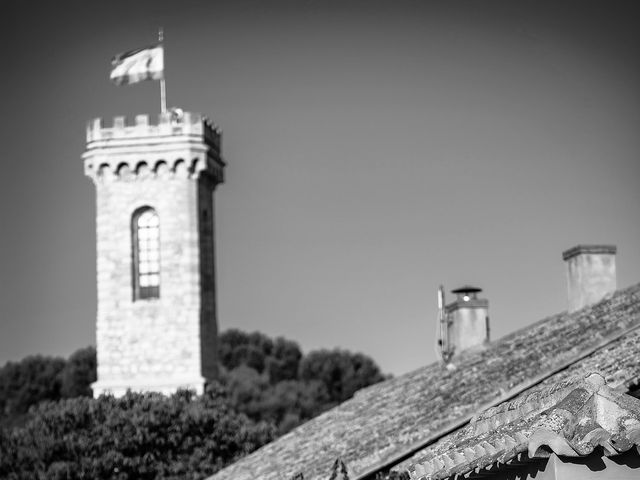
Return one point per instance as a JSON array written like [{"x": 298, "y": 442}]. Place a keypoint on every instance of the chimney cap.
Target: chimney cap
[
  {"x": 466, "y": 289},
  {"x": 589, "y": 249}
]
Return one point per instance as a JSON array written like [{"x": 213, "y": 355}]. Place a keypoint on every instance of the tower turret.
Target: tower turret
[{"x": 156, "y": 319}]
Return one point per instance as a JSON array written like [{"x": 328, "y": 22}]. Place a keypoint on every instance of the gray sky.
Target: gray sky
[{"x": 374, "y": 149}]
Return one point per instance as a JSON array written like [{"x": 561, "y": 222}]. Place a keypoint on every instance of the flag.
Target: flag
[{"x": 137, "y": 65}]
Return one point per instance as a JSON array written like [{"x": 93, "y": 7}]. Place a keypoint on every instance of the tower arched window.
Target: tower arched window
[{"x": 145, "y": 229}]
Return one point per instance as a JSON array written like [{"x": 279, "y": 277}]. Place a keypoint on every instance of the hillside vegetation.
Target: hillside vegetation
[{"x": 50, "y": 427}]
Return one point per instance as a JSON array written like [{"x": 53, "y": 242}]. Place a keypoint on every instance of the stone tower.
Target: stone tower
[{"x": 156, "y": 320}]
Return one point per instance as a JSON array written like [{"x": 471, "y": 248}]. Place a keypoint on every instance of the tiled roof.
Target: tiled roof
[
  {"x": 617, "y": 361},
  {"x": 390, "y": 421},
  {"x": 570, "y": 418}
]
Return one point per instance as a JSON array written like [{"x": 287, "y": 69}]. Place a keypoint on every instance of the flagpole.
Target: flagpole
[{"x": 163, "y": 87}]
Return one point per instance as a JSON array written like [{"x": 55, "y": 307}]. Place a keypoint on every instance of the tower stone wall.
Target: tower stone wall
[{"x": 172, "y": 167}]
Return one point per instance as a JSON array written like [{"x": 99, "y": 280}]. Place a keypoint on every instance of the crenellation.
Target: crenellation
[
  {"x": 142, "y": 120},
  {"x": 168, "y": 124},
  {"x": 119, "y": 122}
]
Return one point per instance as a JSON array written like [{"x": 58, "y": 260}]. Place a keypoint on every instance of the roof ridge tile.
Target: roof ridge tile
[{"x": 575, "y": 423}]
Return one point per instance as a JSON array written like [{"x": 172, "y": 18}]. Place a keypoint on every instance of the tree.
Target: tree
[
  {"x": 292, "y": 388},
  {"x": 292, "y": 402},
  {"x": 271, "y": 380},
  {"x": 285, "y": 361},
  {"x": 138, "y": 436},
  {"x": 37, "y": 378},
  {"x": 25, "y": 383},
  {"x": 268, "y": 380},
  {"x": 79, "y": 373},
  {"x": 247, "y": 390},
  {"x": 342, "y": 372},
  {"x": 280, "y": 358},
  {"x": 239, "y": 348}
]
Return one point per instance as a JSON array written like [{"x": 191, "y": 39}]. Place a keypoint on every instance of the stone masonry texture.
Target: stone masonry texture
[{"x": 157, "y": 344}]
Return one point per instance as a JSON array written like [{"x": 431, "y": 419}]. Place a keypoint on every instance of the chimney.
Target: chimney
[
  {"x": 591, "y": 274},
  {"x": 467, "y": 320}
]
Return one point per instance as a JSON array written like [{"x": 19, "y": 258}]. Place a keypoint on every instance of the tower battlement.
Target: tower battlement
[
  {"x": 169, "y": 123},
  {"x": 182, "y": 144}
]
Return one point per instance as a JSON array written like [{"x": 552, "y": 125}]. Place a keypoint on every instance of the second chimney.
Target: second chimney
[
  {"x": 468, "y": 320},
  {"x": 591, "y": 274}
]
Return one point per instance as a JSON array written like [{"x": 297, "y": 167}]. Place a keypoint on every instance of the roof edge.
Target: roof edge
[
  {"x": 608, "y": 297},
  {"x": 505, "y": 337}
]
